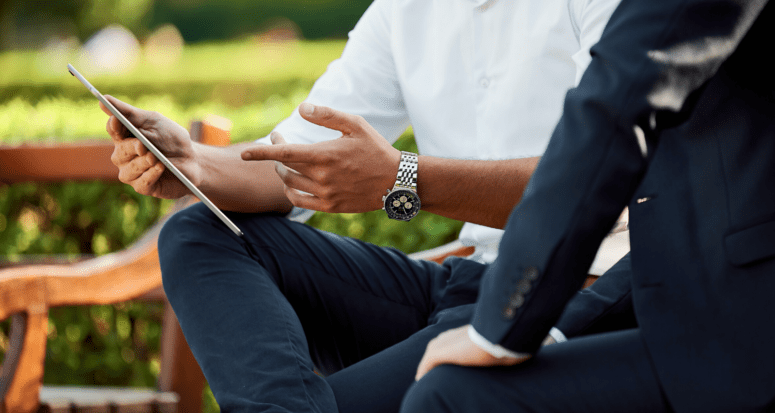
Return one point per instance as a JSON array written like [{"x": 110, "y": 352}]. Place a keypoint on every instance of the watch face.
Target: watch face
[{"x": 402, "y": 204}]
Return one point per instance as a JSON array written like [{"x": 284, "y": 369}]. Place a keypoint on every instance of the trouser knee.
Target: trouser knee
[
  {"x": 173, "y": 239},
  {"x": 432, "y": 393},
  {"x": 192, "y": 235}
]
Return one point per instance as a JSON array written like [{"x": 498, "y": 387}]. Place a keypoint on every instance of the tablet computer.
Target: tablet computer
[{"x": 136, "y": 132}]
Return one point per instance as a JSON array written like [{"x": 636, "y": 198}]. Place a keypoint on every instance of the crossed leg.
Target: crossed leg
[
  {"x": 608, "y": 372},
  {"x": 263, "y": 312}
]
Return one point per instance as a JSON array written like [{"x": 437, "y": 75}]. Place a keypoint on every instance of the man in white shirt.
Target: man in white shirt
[{"x": 481, "y": 82}]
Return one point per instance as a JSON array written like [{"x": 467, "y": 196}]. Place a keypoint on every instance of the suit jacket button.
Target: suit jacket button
[
  {"x": 508, "y": 313},
  {"x": 530, "y": 273},
  {"x": 524, "y": 287},
  {"x": 516, "y": 300}
]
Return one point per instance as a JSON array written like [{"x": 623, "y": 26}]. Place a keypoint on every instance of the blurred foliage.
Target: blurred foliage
[
  {"x": 234, "y": 73},
  {"x": 119, "y": 344},
  {"x": 59, "y": 119},
  {"x": 229, "y": 18},
  {"x": 72, "y": 218},
  {"x": 114, "y": 345}
]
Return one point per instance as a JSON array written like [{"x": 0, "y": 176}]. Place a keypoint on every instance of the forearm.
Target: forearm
[
  {"x": 237, "y": 185},
  {"x": 481, "y": 192}
]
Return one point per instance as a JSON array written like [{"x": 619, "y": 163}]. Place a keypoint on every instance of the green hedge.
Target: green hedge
[{"x": 75, "y": 218}]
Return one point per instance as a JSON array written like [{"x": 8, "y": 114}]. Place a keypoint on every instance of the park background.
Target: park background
[{"x": 247, "y": 63}]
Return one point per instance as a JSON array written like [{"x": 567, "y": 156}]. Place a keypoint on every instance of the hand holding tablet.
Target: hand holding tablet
[{"x": 156, "y": 152}]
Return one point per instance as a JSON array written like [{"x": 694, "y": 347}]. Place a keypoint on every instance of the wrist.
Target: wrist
[
  {"x": 388, "y": 177},
  {"x": 494, "y": 350},
  {"x": 192, "y": 164},
  {"x": 402, "y": 201}
]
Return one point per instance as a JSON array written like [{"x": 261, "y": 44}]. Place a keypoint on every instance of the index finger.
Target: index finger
[{"x": 295, "y": 153}]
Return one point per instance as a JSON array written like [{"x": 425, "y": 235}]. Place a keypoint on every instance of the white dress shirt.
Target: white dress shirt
[{"x": 476, "y": 79}]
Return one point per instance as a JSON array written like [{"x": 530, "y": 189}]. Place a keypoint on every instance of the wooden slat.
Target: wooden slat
[
  {"x": 55, "y": 406},
  {"x": 22, "y": 394},
  {"x": 108, "y": 279},
  {"x": 12, "y": 354},
  {"x": 57, "y": 163},
  {"x": 438, "y": 254},
  {"x": 590, "y": 280}
]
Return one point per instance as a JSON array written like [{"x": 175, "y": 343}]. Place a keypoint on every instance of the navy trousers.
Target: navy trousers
[
  {"x": 262, "y": 313},
  {"x": 607, "y": 372}
]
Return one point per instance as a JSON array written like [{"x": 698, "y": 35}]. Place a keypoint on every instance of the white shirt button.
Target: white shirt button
[{"x": 485, "y": 82}]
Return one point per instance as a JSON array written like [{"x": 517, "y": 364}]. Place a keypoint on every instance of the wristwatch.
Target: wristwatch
[{"x": 402, "y": 202}]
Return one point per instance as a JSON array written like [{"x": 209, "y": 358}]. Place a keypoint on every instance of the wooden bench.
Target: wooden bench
[{"x": 28, "y": 291}]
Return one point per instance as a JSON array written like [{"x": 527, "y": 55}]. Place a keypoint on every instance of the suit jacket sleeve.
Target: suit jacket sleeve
[{"x": 652, "y": 56}]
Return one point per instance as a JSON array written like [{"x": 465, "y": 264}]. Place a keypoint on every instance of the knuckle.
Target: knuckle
[
  {"x": 360, "y": 122},
  {"x": 283, "y": 153},
  {"x": 138, "y": 187},
  {"x": 326, "y": 112},
  {"x": 122, "y": 176},
  {"x": 139, "y": 147},
  {"x": 114, "y": 157},
  {"x": 326, "y": 192},
  {"x": 322, "y": 177}
]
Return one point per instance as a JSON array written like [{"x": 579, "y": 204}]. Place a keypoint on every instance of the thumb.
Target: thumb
[
  {"x": 277, "y": 139},
  {"x": 132, "y": 114},
  {"x": 331, "y": 118}
]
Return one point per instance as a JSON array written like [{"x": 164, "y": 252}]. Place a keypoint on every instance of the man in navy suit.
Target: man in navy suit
[{"x": 675, "y": 118}]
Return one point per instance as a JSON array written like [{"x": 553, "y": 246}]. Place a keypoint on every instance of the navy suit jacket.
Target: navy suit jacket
[{"x": 675, "y": 118}]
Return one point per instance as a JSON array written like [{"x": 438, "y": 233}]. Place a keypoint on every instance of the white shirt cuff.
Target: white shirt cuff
[
  {"x": 300, "y": 214},
  {"x": 557, "y": 335},
  {"x": 494, "y": 349}
]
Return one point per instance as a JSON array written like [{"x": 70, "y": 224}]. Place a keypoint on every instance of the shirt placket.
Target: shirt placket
[{"x": 481, "y": 77}]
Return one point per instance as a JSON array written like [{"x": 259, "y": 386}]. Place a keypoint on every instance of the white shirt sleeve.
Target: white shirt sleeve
[
  {"x": 362, "y": 82},
  {"x": 494, "y": 349},
  {"x": 588, "y": 18},
  {"x": 557, "y": 335}
]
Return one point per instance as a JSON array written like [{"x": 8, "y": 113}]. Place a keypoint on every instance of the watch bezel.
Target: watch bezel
[{"x": 392, "y": 214}]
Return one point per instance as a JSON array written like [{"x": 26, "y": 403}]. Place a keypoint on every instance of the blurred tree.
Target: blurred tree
[
  {"x": 31, "y": 23},
  {"x": 96, "y": 14},
  {"x": 220, "y": 19}
]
